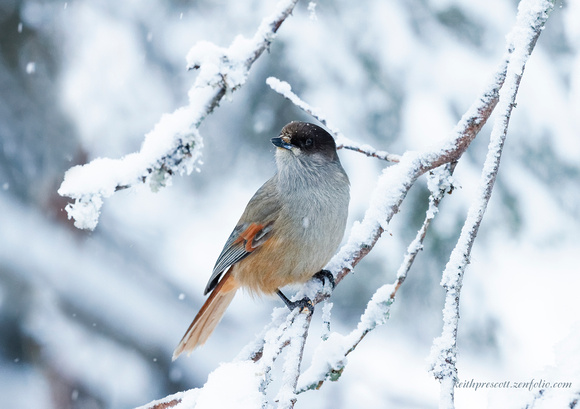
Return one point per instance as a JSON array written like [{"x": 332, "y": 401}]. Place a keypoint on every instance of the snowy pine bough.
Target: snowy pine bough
[{"x": 174, "y": 147}]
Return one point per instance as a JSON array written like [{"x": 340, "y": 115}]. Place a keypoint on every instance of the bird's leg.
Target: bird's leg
[
  {"x": 303, "y": 304},
  {"x": 323, "y": 276}
]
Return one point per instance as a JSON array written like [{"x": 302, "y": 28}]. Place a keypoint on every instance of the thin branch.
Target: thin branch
[
  {"x": 439, "y": 184},
  {"x": 391, "y": 190},
  {"x": 174, "y": 144},
  {"x": 546, "y": 398},
  {"x": 284, "y": 89},
  {"x": 165, "y": 403},
  {"x": 396, "y": 182},
  {"x": 378, "y": 308},
  {"x": 286, "y": 396},
  {"x": 531, "y": 19},
  {"x": 371, "y": 152},
  {"x": 399, "y": 178},
  {"x": 275, "y": 340}
]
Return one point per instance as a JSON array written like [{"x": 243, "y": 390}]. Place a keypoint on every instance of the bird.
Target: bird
[{"x": 288, "y": 232}]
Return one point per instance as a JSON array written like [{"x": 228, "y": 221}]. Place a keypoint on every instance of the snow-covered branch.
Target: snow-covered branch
[
  {"x": 255, "y": 363},
  {"x": 388, "y": 195},
  {"x": 330, "y": 358},
  {"x": 532, "y": 16},
  {"x": 286, "y": 396},
  {"x": 396, "y": 180},
  {"x": 174, "y": 145},
  {"x": 390, "y": 192},
  {"x": 439, "y": 182},
  {"x": 550, "y": 397}
]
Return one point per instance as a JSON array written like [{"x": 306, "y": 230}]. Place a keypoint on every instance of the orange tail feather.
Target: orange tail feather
[{"x": 208, "y": 316}]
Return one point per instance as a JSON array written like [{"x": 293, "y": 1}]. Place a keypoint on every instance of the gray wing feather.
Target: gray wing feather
[
  {"x": 264, "y": 213},
  {"x": 229, "y": 256}
]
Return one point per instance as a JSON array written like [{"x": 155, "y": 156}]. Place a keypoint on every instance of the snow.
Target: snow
[
  {"x": 221, "y": 65},
  {"x": 231, "y": 385},
  {"x": 312, "y": 11},
  {"x": 101, "y": 178},
  {"x": 326, "y": 314},
  {"x": 230, "y": 66},
  {"x": 234, "y": 384},
  {"x": 296, "y": 334},
  {"x": 139, "y": 276},
  {"x": 31, "y": 67},
  {"x": 285, "y": 89},
  {"x": 390, "y": 190},
  {"x": 174, "y": 145},
  {"x": 443, "y": 355},
  {"x": 85, "y": 212},
  {"x": 329, "y": 358}
]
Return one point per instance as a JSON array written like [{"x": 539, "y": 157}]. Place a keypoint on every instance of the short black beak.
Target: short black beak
[{"x": 279, "y": 142}]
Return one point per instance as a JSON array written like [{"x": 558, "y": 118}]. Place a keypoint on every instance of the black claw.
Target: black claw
[
  {"x": 325, "y": 275},
  {"x": 303, "y": 305}
]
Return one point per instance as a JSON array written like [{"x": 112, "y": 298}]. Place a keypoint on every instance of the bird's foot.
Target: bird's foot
[
  {"x": 305, "y": 305},
  {"x": 323, "y": 276}
]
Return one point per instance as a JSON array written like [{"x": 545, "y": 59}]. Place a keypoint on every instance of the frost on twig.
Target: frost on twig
[
  {"x": 532, "y": 16},
  {"x": 286, "y": 396},
  {"x": 174, "y": 145},
  {"x": 388, "y": 195},
  {"x": 554, "y": 397},
  {"x": 242, "y": 379},
  {"x": 396, "y": 180},
  {"x": 330, "y": 357},
  {"x": 289, "y": 331},
  {"x": 342, "y": 142},
  {"x": 247, "y": 380},
  {"x": 439, "y": 182}
]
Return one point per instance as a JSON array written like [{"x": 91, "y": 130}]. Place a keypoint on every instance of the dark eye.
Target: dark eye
[{"x": 308, "y": 142}]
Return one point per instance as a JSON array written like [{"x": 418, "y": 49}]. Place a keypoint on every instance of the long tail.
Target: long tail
[{"x": 209, "y": 316}]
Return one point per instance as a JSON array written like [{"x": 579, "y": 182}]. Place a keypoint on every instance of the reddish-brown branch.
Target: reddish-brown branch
[{"x": 166, "y": 405}]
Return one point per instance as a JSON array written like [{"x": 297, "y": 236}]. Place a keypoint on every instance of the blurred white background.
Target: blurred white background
[{"x": 90, "y": 319}]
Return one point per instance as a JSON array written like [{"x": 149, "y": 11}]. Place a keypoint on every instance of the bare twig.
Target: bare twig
[{"x": 442, "y": 185}]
